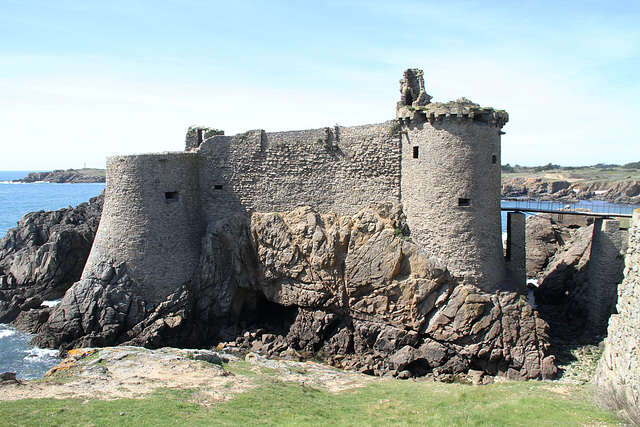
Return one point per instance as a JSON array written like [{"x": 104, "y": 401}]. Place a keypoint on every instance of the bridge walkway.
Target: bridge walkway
[{"x": 563, "y": 208}]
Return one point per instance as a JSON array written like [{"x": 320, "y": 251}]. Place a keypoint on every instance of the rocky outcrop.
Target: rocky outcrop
[
  {"x": 609, "y": 191},
  {"x": 558, "y": 254},
  {"x": 354, "y": 290},
  {"x": 70, "y": 176},
  {"x": 544, "y": 237},
  {"x": 44, "y": 255},
  {"x": 578, "y": 265},
  {"x": 538, "y": 189},
  {"x": 566, "y": 269}
]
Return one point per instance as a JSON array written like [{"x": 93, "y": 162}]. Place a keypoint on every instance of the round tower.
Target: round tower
[
  {"x": 451, "y": 182},
  {"x": 151, "y": 221}
]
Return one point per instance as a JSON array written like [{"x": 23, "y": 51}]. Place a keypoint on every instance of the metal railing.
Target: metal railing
[{"x": 591, "y": 208}]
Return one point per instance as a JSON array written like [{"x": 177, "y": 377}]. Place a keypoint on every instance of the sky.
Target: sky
[{"x": 81, "y": 80}]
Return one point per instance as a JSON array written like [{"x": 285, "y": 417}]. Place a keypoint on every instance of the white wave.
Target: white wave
[
  {"x": 51, "y": 303},
  {"x": 6, "y": 333},
  {"x": 533, "y": 282},
  {"x": 35, "y": 353}
]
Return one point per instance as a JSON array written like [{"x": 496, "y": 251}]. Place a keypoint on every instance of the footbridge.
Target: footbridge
[
  {"x": 606, "y": 258},
  {"x": 594, "y": 209}
]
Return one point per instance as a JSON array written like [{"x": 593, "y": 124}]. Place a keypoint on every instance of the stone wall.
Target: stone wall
[
  {"x": 605, "y": 272},
  {"x": 618, "y": 376},
  {"x": 339, "y": 169},
  {"x": 451, "y": 194},
  {"x": 151, "y": 220},
  {"x": 442, "y": 163}
]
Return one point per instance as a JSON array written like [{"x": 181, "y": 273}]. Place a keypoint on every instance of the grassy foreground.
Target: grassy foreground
[{"x": 382, "y": 402}]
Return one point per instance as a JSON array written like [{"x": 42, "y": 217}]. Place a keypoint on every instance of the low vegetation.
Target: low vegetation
[
  {"x": 92, "y": 172},
  {"x": 278, "y": 402},
  {"x": 599, "y": 172}
]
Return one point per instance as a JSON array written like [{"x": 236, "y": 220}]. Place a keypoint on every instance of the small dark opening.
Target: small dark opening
[
  {"x": 415, "y": 152},
  {"x": 217, "y": 187},
  {"x": 171, "y": 196},
  {"x": 494, "y": 159},
  {"x": 481, "y": 118},
  {"x": 200, "y": 136},
  {"x": 507, "y": 255},
  {"x": 408, "y": 99},
  {"x": 464, "y": 202}
]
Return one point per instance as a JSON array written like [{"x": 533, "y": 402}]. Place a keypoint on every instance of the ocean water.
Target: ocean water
[
  {"x": 17, "y": 199},
  {"x": 16, "y": 355}
]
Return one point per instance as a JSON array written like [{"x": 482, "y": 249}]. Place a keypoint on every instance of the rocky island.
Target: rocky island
[{"x": 69, "y": 176}]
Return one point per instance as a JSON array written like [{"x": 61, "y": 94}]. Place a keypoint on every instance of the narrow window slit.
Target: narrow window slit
[
  {"x": 217, "y": 187},
  {"x": 416, "y": 151},
  {"x": 172, "y": 197},
  {"x": 464, "y": 202},
  {"x": 494, "y": 159}
]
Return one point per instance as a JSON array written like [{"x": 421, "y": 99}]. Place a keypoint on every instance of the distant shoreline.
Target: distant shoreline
[{"x": 69, "y": 176}]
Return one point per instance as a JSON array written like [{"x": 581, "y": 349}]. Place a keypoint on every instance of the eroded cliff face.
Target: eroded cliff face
[
  {"x": 44, "y": 255},
  {"x": 354, "y": 290},
  {"x": 537, "y": 189}
]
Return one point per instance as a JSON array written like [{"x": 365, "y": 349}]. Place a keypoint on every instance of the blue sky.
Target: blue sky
[{"x": 81, "y": 80}]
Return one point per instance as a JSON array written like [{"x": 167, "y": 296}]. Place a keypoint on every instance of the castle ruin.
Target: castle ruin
[{"x": 440, "y": 161}]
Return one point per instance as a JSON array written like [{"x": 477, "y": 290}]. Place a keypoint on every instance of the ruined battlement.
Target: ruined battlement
[
  {"x": 441, "y": 161},
  {"x": 461, "y": 110},
  {"x": 415, "y": 105}
]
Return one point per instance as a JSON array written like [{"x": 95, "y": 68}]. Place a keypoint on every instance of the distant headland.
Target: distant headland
[{"x": 70, "y": 176}]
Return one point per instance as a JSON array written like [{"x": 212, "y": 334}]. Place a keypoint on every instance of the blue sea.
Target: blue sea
[{"x": 17, "y": 199}]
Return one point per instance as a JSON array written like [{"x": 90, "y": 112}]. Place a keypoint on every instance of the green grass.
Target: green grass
[
  {"x": 581, "y": 173},
  {"x": 93, "y": 172},
  {"x": 380, "y": 403}
]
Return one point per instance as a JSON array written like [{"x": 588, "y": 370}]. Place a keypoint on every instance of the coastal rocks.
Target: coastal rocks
[
  {"x": 70, "y": 176},
  {"x": 543, "y": 239},
  {"x": 8, "y": 378},
  {"x": 610, "y": 191},
  {"x": 578, "y": 268},
  {"x": 353, "y": 290},
  {"x": 538, "y": 189},
  {"x": 566, "y": 269},
  {"x": 558, "y": 254},
  {"x": 44, "y": 255}
]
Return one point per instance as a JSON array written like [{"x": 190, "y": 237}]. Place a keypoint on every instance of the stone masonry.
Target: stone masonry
[
  {"x": 441, "y": 162},
  {"x": 618, "y": 376}
]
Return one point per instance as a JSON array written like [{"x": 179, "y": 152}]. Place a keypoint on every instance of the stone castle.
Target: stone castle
[{"x": 440, "y": 161}]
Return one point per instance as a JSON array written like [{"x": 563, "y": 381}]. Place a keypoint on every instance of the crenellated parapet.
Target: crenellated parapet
[{"x": 461, "y": 110}]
